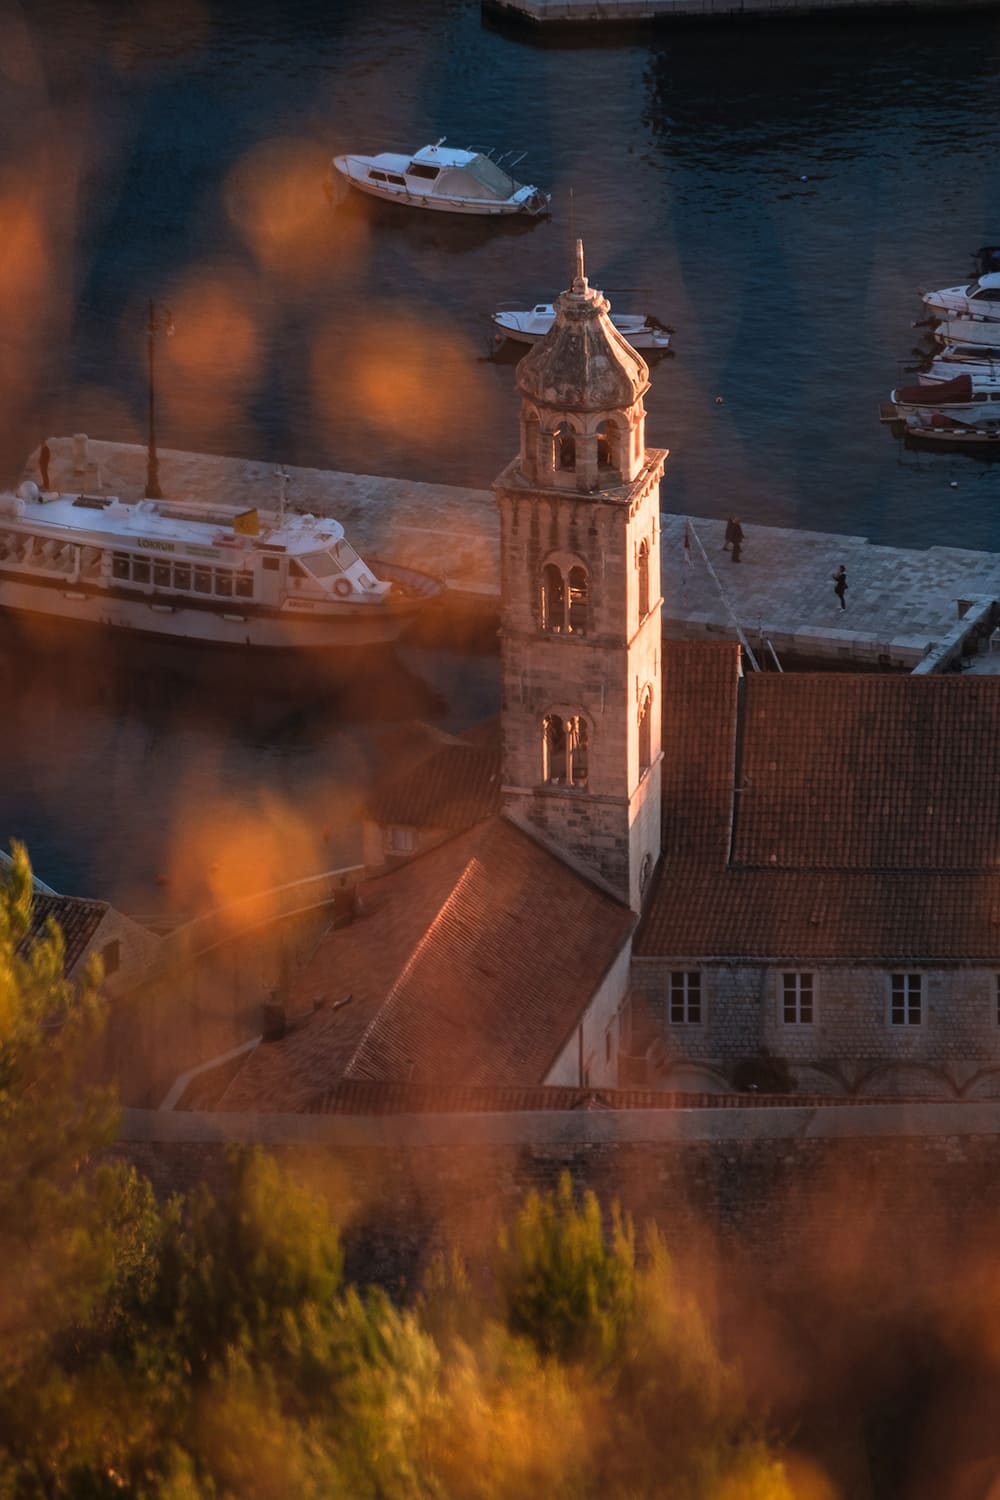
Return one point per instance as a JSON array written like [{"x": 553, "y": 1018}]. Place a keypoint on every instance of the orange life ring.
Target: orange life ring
[{"x": 342, "y": 587}]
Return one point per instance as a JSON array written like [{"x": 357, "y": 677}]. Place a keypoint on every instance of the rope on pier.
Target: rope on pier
[{"x": 722, "y": 595}]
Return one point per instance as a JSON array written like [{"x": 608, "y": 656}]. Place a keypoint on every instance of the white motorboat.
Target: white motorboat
[
  {"x": 978, "y": 298},
  {"x": 953, "y": 361},
  {"x": 970, "y": 332},
  {"x": 443, "y": 180},
  {"x": 198, "y": 573},
  {"x": 964, "y": 409},
  {"x": 642, "y": 330}
]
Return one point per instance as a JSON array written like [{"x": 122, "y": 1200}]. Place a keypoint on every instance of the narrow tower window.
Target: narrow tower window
[
  {"x": 646, "y": 732},
  {"x": 643, "y": 579},
  {"x": 565, "y": 447},
  {"x": 553, "y": 598},
  {"x": 607, "y": 446},
  {"x": 564, "y": 750},
  {"x": 578, "y": 600}
]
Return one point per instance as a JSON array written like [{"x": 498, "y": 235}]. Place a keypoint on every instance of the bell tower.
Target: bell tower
[{"x": 580, "y": 601}]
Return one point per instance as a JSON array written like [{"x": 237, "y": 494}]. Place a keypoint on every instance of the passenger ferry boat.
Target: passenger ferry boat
[{"x": 195, "y": 573}]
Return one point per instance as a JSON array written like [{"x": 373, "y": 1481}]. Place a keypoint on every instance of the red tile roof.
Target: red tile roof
[
  {"x": 866, "y": 817},
  {"x": 470, "y": 964},
  {"x": 78, "y": 920},
  {"x": 503, "y": 974},
  {"x": 869, "y": 772},
  {"x": 361, "y": 961},
  {"x": 457, "y": 786},
  {"x": 357, "y": 1097}
]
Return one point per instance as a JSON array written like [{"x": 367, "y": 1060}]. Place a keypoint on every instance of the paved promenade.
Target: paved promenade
[
  {"x": 901, "y": 604},
  {"x": 626, "y": 12}
]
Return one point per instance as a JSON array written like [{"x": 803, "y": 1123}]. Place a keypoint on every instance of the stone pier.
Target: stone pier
[
  {"x": 629, "y": 12},
  {"x": 905, "y": 607}
]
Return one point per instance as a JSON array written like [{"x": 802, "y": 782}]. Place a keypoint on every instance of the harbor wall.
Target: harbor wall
[
  {"x": 629, "y": 12},
  {"x": 786, "y": 1189}
]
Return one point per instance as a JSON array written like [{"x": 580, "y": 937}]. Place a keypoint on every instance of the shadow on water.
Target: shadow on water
[
  {"x": 457, "y": 234},
  {"x": 279, "y": 696}
]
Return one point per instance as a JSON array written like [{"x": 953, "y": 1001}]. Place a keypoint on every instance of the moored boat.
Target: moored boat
[
  {"x": 967, "y": 331},
  {"x": 443, "y": 180},
  {"x": 952, "y": 362},
  {"x": 979, "y": 297},
  {"x": 189, "y": 572},
  {"x": 641, "y": 330}
]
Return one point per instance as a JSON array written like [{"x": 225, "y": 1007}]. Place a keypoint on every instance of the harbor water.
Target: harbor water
[{"x": 776, "y": 193}]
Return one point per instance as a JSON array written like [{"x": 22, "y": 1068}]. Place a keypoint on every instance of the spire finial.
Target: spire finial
[{"x": 580, "y": 280}]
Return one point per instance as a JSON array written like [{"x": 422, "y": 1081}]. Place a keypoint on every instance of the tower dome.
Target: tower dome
[{"x": 583, "y": 363}]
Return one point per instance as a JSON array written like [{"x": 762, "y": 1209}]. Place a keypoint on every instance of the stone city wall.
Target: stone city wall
[{"x": 784, "y": 1190}]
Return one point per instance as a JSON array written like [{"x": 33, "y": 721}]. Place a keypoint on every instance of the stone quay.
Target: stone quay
[{"x": 906, "y": 609}]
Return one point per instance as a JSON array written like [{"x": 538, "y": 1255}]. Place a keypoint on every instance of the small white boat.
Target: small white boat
[
  {"x": 970, "y": 332},
  {"x": 980, "y": 297},
  {"x": 953, "y": 361},
  {"x": 443, "y": 180},
  {"x": 192, "y": 572},
  {"x": 640, "y": 329},
  {"x": 965, "y": 409}
]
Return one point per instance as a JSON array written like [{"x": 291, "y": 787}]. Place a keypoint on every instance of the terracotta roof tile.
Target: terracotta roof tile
[
  {"x": 870, "y": 772},
  {"x": 77, "y": 918},
  {"x": 362, "y": 1097},
  {"x": 866, "y": 825},
  {"x": 492, "y": 992},
  {"x": 361, "y": 961},
  {"x": 457, "y": 786}
]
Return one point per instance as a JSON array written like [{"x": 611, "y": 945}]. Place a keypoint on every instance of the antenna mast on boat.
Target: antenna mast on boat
[{"x": 282, "y": 477}]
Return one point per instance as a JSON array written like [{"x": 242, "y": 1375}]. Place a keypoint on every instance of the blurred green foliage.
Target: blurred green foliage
[{"x": 209, "y": 1349}]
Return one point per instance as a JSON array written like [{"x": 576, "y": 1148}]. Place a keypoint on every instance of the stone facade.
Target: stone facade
[
  {"x": 580, "y": 587},
  {"x": 853, "y": 1044}
]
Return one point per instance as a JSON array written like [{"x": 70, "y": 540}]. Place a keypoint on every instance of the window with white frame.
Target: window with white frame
[
  {"x": 399, "y": 840},
  {"x": 685, "y": 998},
  {"x": 906, "y": 1000},
  {"x": 797, "y": 999}
]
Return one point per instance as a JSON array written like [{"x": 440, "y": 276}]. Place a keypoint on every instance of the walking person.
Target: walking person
[
  {"x": 840, "y": 585},
  {"x": 44, "y": 455},
  {"x": 732, "y": 526},
  {"x": 737, "y": 537}
]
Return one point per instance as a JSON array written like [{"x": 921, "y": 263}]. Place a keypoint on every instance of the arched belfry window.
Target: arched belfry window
[
  {"x": 643, "y": 579},
  {"x": 578, "y": 592},
  {"x": 565, "y": 597},
  {"x": 553, "y": 598},
  {"x": 646, "y": 731},
  {"x": 565, "y": 446},
  {"x": 564, "y": 750},
  {"x": 607, "y": 446}
]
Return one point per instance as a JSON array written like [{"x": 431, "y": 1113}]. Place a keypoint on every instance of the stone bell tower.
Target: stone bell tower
[{"x": 580, "y": 601}]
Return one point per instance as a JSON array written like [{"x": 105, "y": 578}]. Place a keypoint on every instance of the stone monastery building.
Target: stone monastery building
[{"x": 673, "y": 872}]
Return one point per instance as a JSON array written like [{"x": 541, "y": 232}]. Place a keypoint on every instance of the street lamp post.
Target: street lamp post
[{"x": 157, "y": 319}]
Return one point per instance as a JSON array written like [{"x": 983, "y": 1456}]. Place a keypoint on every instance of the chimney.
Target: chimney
[{"x": 273, "y": 1021}]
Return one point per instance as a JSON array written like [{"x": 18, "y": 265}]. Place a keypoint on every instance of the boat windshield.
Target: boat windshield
[
  {"x": 327, "y": 564},
  {"x": 321, "y": 564},
  {"x": 486, "y": 171}
]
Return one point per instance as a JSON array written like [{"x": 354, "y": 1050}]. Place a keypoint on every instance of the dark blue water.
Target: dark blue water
[{"x": 777, "y": 192}]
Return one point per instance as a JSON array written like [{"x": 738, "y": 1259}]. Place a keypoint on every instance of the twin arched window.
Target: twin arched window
[
  {"x": 564, "y": 750},
  {"x": 565, "y": 599}
]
